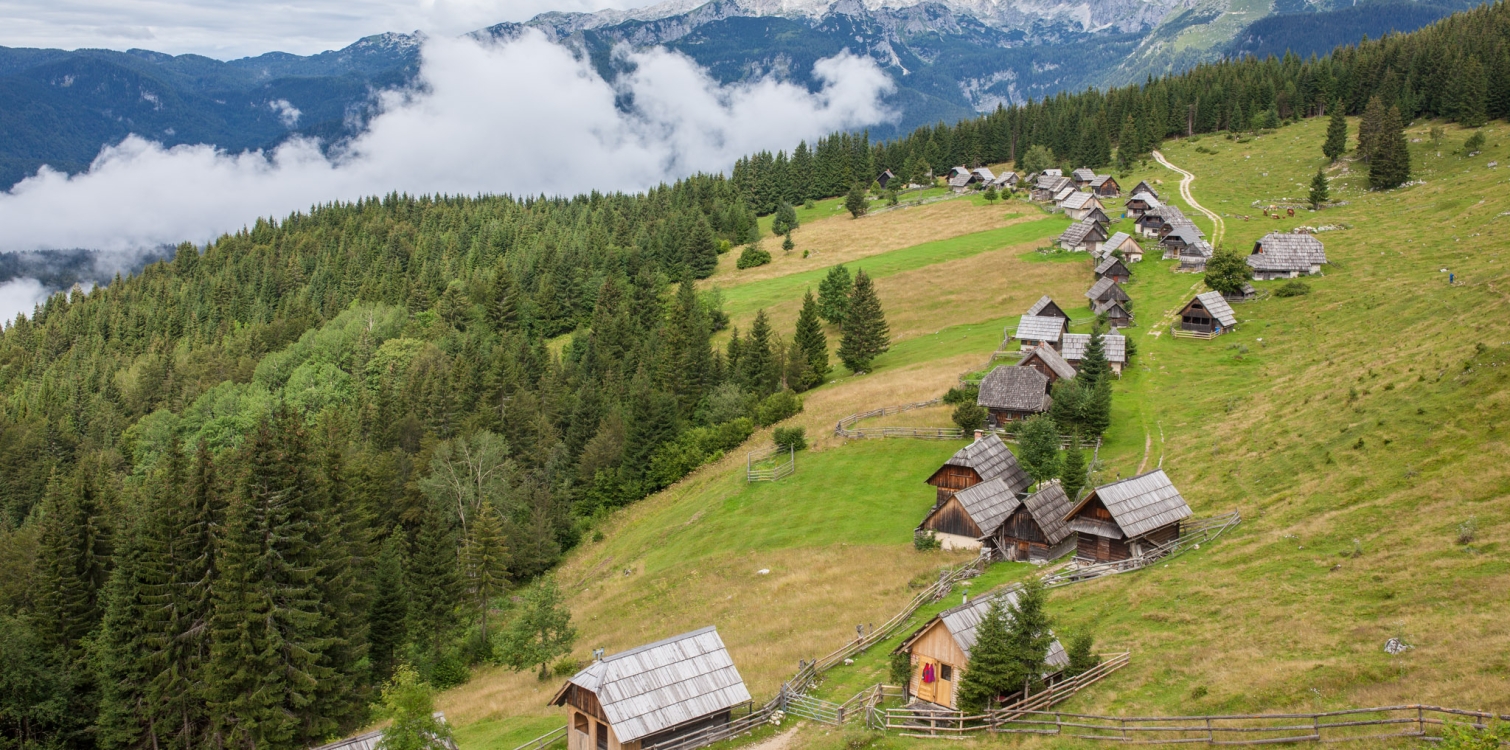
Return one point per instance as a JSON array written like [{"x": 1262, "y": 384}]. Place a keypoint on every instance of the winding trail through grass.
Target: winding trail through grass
[{"x": 1218, "y": 226}]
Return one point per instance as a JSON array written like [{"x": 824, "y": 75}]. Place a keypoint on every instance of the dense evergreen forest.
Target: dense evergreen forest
[{"x": 239, "y": 488}]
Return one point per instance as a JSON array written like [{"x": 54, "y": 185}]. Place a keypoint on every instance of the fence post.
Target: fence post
[{"x": 1420, "y": 720}]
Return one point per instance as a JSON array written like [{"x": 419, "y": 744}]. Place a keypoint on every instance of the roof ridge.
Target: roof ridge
[{"x": 658, "y": 644}]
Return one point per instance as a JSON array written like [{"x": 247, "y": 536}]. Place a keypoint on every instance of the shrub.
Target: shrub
[
  {"x": 1469, "y": 737},
  {"x": 969, "y": 417},
  {"x": 1083, "y": 657},
  {"x": 693, "y": 448},
  {"x": 753, "y": 255},
  {"x": 926, "y": 541},
  {"x": 790, "y": 437},
  {"x": 724, "y": 246},
  {"x": 449, "y": 672},
  {"x": 965, "y": 395},
  {"x": 567, "y": 667},
  {"x": 1468, "y": 531},
  {"x": 1293, "y": 288},
  {"x": 776, "y": 407},
  {"x": 1474, "y": 144},
  {"x": 901, "y": 668}
]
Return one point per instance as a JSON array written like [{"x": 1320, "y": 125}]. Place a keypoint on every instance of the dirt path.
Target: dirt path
[
  {"x": 785, "y": 741},
  {"x": 1218, "y": 226}
]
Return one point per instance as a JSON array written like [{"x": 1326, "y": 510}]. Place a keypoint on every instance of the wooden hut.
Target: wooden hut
[
  {"x": 1116, "y": 313},
  {"x": 1178, "y": 237},
  {"x": 1046, "y": 360},
  {"x": 652, "y": 694},
  {"x": 1245, "y": 293},
  {"x": 985, "y": 459},
  {"x": 1049, "y": 185},
  {"x": 885, "y": 178},
  {"x": 1099, "y": 216},
  {"x": 1083, "y": 236},
  {"x": 1114, "y": 345},
  {"x": 983, "y": 175},
  {"x": 1111, "y": 267},
  {"x": 940, "y": 650},
  {"x": 1064, "y": 195},
  {"x": 1125, "y": 519},
  {"x": 1106, "y": 290},
  {"x": 370, "y": 740},
  {"x": 1033, "y": 330},
  {"x": 1141, "y": 203},
  {"x": 1078, "y": 205},
  {"x": 1033, "y": 528},
  {"x": 1105, "y": 186},
  {"x": 1208, "y": 312},
  {"x": 1007, "y": 181},
  {"x": 1193, "y": 256},
  {"x": 1083, "y": 177},
  {"x": 1045, "y": 308},
  {"x": 1282, "y": 255},
  {"x": 1144, "y": 187},
  {"x": 1131, "y": 251},
  {"x": 1011, "y": 393}
]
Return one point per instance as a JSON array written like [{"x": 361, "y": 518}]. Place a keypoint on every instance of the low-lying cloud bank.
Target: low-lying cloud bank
[{"x": 521, "y": 117}]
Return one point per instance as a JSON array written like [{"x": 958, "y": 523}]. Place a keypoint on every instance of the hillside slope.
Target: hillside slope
[{"x": 1357, "y": 428}]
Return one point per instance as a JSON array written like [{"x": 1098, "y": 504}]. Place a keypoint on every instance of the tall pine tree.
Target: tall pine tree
[
  {"x": 866, "y": 335},
  {"x": 834, "y": 293},
  {"x": 1336, "y": 134},
  {"x": 1389, "y": 166},
  {"x": 387, "y": 631},
  {"x": 810, "y": 341}
]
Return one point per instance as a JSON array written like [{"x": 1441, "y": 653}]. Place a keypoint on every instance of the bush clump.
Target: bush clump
[
  {"x": 753, "y": 255},
  {"x": 1293, "y": 288},
  {"x": 964, "y": 395},
  {"x": 926, "y": 541},
  {"x": 776, "y": 407},
  {"x": 794, "y": 438},
  {"x": 970, "y": 417}
]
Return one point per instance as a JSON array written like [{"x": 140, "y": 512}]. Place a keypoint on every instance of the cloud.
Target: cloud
[
  {"x": 288, "y": 114},
  {"x": 20, "y": 296},
  {"x": 523, "y": 117}
]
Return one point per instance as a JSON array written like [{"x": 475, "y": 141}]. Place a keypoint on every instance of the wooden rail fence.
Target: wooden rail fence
[
  {"x": 845, "y": 428},
  {"x": 1193, "y": 534},
  {"x": 779, "y": 470},
  {"x": 545, "y": 740},
  {"x": 1179, "y": 333}
]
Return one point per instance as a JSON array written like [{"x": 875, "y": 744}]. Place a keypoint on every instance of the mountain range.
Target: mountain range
[{"x": 949, "y": 59}]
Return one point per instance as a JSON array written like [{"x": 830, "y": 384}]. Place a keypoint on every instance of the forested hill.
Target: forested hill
[{"x": 274, "y": 456}]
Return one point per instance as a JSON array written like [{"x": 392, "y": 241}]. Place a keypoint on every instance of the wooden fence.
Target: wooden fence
[
  {"x": 845, "y": 428},
  {"x": 842, "y": 429},
  {"x": 1177, "y": 332},
  {"x": 780, "y": 469},
  {"x": 545, "y": 740},
  {"x": 1191, "y": 535},
  {"x": 708, "y": 735}
]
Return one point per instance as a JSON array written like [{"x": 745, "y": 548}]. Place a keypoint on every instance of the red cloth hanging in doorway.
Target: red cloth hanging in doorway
[{"x": 928, "y": 674}]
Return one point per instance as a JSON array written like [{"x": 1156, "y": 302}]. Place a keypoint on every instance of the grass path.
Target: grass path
[{"x": 1189, "y": 177}]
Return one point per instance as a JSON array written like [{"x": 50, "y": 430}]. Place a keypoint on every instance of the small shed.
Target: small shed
[
  {"x": 1082, "y": 177},
  {"x": 1046, "y": 360},
  {"x": 1141, "y": 203},
  {"x": 1125, "y": 519},
  {"x": 1144, "y": 187},
  {"x": 1106, "y": 290},
  {"x": 1033, "y": 330},
  {"x": 1078, "y": 206},
  {"x": 940, "y": 650},
  {"x": 1105, "y": 186},
  {"x": 1050, "y": 185},
  {"x": 1245, "y": 293},
  {"x": 1007, "y": 180},
  {"x": 1208, "y": 312},
  {"x": 1083, "y": 236},
  {"x": 1132, "y": 252},
  {"x": 1111, "y": 267},
  {"x": 885, "y": 178},
  {"x": 1281, "y": 255},
  {"x": 984, "y": 175},
  {"x": 960, "y": 182},
  {"x": 1034, "y": 528},
  {"x": 1180, "y": 236},
  {"x": 1114, "y": 345},
  {"x": 1099, "y": 216},
  {"x": 1045, "y": 308},
  {"x": 1012, "y": 393},
  {"x": 959, "y": 172},
  {"x": 985, "y": 459},
  {"x": 968, "y": 516},
  {"x": 1193, "y": 256},
  {"x": 1116, "y": 313},
  {"x": 652, "y": 694}
]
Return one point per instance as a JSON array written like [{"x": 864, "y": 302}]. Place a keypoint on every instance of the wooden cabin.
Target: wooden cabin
[
  {"x": 1045, "y": 308},
  {"x": 959, "y": 172},
  {"x": 1033, "y": 330},
  {"x": 1083, "y": 236},
  {"x": 885, "y": 178},
  {"x": 652, "y": 694},
  {"x": 1125, "y": 519},
  {"x": 968, "y": 516},
  {"x": 1007, "y": 181},
  {"x": 1064, "y": 195},
  {"x": 1193, "y": 256},
  {"x": 1046, "y": 360},
  {"x": 1106, "y": 290},
  {"x": 1283, "y": 255},
  {"x": 1033, "y": 529},
  {"x": 940, "y": 650},
  {"x": 1049, "y": 185},
  {"x": 1105, "y": 186},
  {"x": 1082, "y": 177},
  {"x": 1208, "y": 312},
  {"x": 959, "y": 183},
  {"x": 983, "y": 175},
  {"x": 1011, "y": 393},
  {"x": 1116, "y": 313},
  {"x": 1245, "y": 293},
  {"x": 1099, "y": 216},
  {"x": 985, "y": 459},
  {"x": 1078, "y": 206},
  {"x": 1147, "y": 224},
  {"x": 1144, "y": 187},
  {"x": 1141, "y": 203},
  {"x": 1111, "y": 267},
  {"x": 1128, "y": 247},
  {"x": 1113, "y": 345}
]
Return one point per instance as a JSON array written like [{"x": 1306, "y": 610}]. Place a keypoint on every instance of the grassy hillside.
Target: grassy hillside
[{"x": 1358, "y": 428}]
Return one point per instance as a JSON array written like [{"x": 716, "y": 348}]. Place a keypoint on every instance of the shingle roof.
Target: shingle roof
[
  {"x": 1046, "y": 354},
  {"x": 1115, "y": 241},
  {"x": 1186, "y": 233},
  {"x": 957, "y": 171},
  {"x": 1079, "y": 200},
  {"x": 1108, "y": 263},
  {"x": 962, "y": 621},
  {"x": 1281, "y": 251},
  {"x": 1083, "y": 174},
  {"x": 1217, "y": 305},
  {"x": 1042, "y": 304},
  {"x": 1064, "y": 193},
  {"x": 1144, "y": 187},
  {"x": 988, "y": 504},
  {"x": 992, "y": 459},
  {"x": 1109, "y": 306},
  {"x": 1048, "y": 506},
  {"x": 1171, "y": 214},
  {"x": 1199, "y": 248},
  {"x": 1040, "y": 328},
  {"x": 1080, "y": 231},
  {"x": 661, "y": 685},
  {"x": 1100, "y": 180},
  {"x": 1113, "y": 344},
  {"x": 985, "y": 174},
  {"x": 1104, "y": 288},
  {"x": 1056, "y": 172},
  {"x": 1149, "y": 198},
  {"x": 960, "y": 180},
  {"x": 1007, "y": 178},
  {"x": 1138, "y": 505},
  {"x": 1015, "y": 389}
]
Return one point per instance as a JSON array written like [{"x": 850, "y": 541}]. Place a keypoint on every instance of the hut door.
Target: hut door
[
  {"x": 1022, "y": 551},
  {"x": 928, "y": 677}
]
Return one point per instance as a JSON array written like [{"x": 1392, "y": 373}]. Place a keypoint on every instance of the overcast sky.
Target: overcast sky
[{"x": 226, "y": 29}]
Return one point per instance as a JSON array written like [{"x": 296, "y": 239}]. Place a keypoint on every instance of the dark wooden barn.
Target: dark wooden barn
[
  {"x": 1046, "y": 359},
  {"x": 1111, "y": 267},
  {"x": 986, "y": 458},
  {"x": 1011, "y": 393},
  {"x": 885, "y": 178},
  {"x": 1033, "y": 528},
  {"x": 1117, "y": 314},
  {"x": 1140, "y": 204},
  {"x": 1144, "y": 187},
  {"x": 1045, "y": 308},
  {"x": 1125, "y": 519},
  {"x": 1208, "y": 312},
  {"x": 1106, "y": 290},
  {"x": 1105, "y": 186}
]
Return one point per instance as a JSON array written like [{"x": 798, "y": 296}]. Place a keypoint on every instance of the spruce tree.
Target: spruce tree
[
  {"x": 866, "y": 335},
  {"x": 758, "y": 369},
  {"x": 1129, "y": 145},
  {"x": 796, "y": 372},
  {"x": 1472, "y": 89},
  {"x": 1038, "y": 447},
  {"x": 1319, "y": 192},
  {"x": 785, "y": 221},
  {"x": 1093, "y": 365},
  {"x": 125, "y": 649},
  {"x": 1336, "y": 134},
  {"x": 485, "y": 560},
  {"x": 1029, "y": 636},
  {"x": 1369, "y": 126},
  {"x": 342, "y": 540},
  {"x": 812, "y": 343},
  {"x": 73, "y": 563},
  {"x": 1081, "y": 654},
  {"x": 1072, "y": 475},
  {"x": 834, "y": 293},
  {"x": 699, "y": 247},
  {"x": 502, "y": 306},
  {"x": 856, "y": 201},
  {"x": 991, "y": 669},
  {"x": 1096, "y": 415},
  {"x": 541, "y": 632},
  {"x": 434, "y": 583},
  {"x": 386, "y": 627},
  {"x": 1390, "y": 166}
]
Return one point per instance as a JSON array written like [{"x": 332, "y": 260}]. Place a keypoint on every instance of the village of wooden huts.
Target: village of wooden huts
[
  {"x": 940, "y": 650},
  {"x": 1127, "y": 518},
  {"x": 1282, "y": 255},
  {"x": 652, "y": 694},
  {"x": 1113, "y": 344},
  {"x": 1107, "y": 298},
  {"x": 1083, "y": 236},
  {"x": 1208, "y": 313},
  {"x": 977, "y": 489},
  {"x": 1131, "y": 251}
]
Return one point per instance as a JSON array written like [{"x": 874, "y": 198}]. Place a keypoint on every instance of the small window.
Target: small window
[
  {"x": 946, "y": 673},
  {"x": 602, "y": 737},
  {"x": 581, "y": 724}
]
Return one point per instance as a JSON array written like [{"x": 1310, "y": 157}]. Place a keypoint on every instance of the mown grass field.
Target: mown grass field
[{"x": 1359, "y": 429}]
